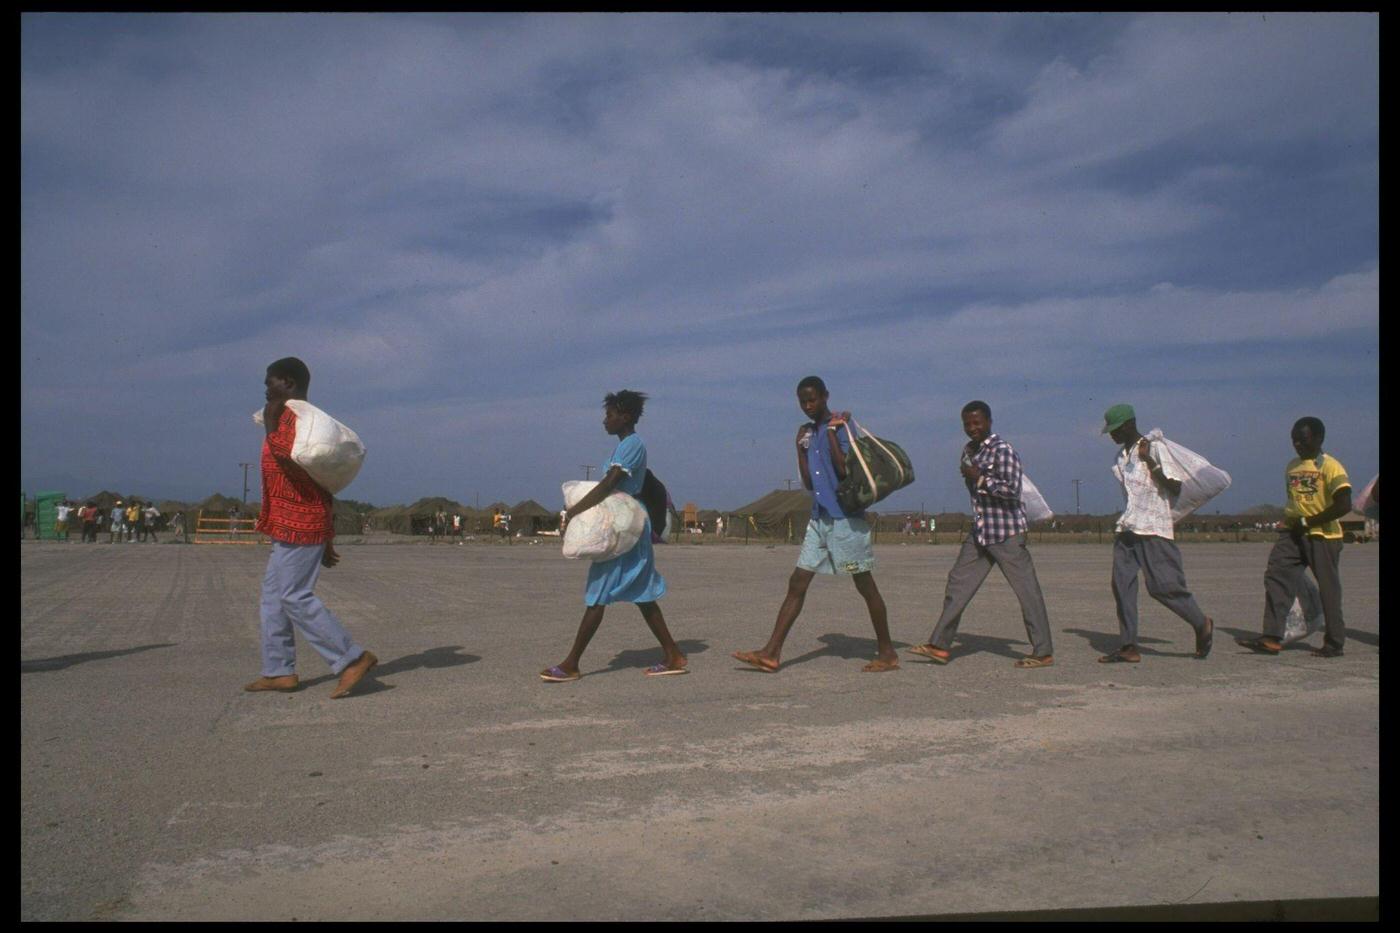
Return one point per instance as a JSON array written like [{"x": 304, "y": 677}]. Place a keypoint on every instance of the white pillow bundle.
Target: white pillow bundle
[
  {"x": 327, "y": 450},
  {"x": 609, "y": 529}
]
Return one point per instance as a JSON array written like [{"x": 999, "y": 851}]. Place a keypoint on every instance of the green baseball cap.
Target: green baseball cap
[{"x": 1116, "y": 417}]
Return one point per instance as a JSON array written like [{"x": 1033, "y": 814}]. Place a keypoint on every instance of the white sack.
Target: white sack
[
  {"x": 1364, "y": 503},
  {"x": 329, "y": 452},
  {"x": 1037, "y": 509},
  {"x": 1203, "y": 482},
  {"x": 609, "y": 529}
]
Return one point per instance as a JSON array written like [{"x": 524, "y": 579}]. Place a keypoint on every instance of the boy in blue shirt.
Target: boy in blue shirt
[{"x": 837, "y": 541}]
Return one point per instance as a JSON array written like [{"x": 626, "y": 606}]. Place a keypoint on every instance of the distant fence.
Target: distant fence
[{"x": 209, "y": 529}]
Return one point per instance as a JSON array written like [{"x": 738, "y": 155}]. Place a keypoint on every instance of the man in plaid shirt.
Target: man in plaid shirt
[{"x": 992, "y": 472}]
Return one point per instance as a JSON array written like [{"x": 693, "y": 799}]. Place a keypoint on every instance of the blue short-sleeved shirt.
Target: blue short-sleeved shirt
[
  {"x": 823, "y": 472},
  {"x": 631, "y": 455}
]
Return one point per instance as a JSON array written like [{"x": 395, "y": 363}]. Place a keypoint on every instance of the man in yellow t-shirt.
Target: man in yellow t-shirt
[{"x": 1319, "y": 494}]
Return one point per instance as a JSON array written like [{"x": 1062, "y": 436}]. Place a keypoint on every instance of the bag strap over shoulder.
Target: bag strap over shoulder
[{"x": 878, "y": 443}]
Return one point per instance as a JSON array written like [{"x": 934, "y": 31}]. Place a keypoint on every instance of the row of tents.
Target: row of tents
[
  {"x": 527, "y": 516},
  {"x": 780, "y": 515}
]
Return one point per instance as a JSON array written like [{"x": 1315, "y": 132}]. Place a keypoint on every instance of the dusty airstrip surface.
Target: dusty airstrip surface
[{"x": 456, "y": 785}]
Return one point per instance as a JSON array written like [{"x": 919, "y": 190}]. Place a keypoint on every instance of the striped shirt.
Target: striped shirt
[
  {"x": 997, "y": 512},
  {"x": 294, "y": 509}
]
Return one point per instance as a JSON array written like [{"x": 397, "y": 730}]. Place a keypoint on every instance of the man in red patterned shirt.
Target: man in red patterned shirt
[{"x": 296, "y": 515}]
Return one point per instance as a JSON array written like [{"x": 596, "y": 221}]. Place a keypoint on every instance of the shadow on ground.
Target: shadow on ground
[
  {"x": 1109, "y": 642},
  {"x": 445, "y": 656},
  {"x": 646, "y": 657},
  {"x": 845, "y": 647},
  {"x": 68, "y": 660}
]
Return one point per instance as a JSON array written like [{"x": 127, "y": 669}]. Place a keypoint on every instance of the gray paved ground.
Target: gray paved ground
[{"x": 459, "y": 786}]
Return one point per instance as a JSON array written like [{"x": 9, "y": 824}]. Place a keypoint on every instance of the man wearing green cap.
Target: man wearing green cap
[{"x": 1144, "y": 541}]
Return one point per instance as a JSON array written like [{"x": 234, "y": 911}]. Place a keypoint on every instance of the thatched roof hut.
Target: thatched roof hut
[{"x": 531, "y": 518}]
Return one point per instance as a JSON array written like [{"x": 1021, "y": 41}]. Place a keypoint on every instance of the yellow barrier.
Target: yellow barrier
[{"x": 227, "y": 531}]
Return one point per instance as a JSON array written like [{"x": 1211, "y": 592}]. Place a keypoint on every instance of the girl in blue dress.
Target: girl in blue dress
[{"x": 631, "y": 578}]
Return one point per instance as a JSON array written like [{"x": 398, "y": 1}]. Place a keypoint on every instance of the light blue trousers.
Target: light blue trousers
[{"x": 287, "y": 602}]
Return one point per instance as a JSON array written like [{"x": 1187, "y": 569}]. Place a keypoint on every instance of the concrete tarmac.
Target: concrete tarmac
[{"x": 454, "y": 785}]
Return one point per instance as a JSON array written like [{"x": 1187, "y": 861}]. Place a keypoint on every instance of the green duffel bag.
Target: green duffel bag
[{"x": 874, "y": 469}]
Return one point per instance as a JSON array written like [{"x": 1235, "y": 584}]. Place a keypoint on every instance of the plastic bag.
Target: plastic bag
[
  {"x": 1305, "y": 617},
  {"x": 1037, "y": 509},
  {"x": 1203, "y": 482},
  {"x": 329, "y": 452},
  {"x": 609, "y": 529},
  {"x": 1368, "y": 503}
]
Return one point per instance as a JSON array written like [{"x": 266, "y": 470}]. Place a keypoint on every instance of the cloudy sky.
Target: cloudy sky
[{"x": 472, "y": 227}]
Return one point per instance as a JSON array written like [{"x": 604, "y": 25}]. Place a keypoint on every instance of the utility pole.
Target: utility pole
[
  {"x": 1076, "y": 483},
  {"x": 245, "y": 481},
  {"x": 790, "y": 482},
  {"x": 587, "y": 470}
]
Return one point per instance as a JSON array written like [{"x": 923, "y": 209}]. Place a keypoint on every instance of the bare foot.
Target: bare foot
[
  {"x": 881, "y": 665},
  {"x": 760, "y": 661}
]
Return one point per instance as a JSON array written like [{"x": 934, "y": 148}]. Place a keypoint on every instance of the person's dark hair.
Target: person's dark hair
[
  {"x": 978, "y": 405},
  {"x": 1314, "y": 425},
  {"x": 813, "y": 382},
  {"x": 289, "y": 367},
  {"x": 626, "y": 402}
]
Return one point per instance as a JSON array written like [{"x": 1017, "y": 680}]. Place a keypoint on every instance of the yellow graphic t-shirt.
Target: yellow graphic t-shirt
[{"x": 1312, "y": 484}]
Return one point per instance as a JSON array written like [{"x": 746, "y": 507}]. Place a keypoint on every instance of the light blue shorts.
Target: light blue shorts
[{"x": 837, "y": 544}]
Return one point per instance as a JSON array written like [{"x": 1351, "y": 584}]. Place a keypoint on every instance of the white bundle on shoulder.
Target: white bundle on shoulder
[
  {"x": 1202, "y": 482},
  {"x": 1037, "y": 509},
  {"x": 329, "y": 452},
  {"x": 609, "y": 529}
]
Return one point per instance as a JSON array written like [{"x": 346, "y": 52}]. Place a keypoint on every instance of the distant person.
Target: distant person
[
  {"x": 992, "y": 472},
  {"x": 1319, "y": 494},
  {"x": 150, "y": 515},
  {"x": 719, "y": 526},
  {"x": 177, "y": 526},
  {"x": 1145, "y": 539},
  {"x": 88, "y": 516},
  {"x": 133, "y": 519},
  {"x": 298, "y": 516},
  {"x": 60, "y": 519},
  {"x": 632, "y": 577},
  {"x": 116, "y": 527},
  {"x": 836, "y": 541}
]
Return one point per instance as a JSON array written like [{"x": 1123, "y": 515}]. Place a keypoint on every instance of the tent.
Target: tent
[
  {"x": 781, "y": 514},
  {"x": 414, "y": 519},
  {"x": 531, "y": 518}
]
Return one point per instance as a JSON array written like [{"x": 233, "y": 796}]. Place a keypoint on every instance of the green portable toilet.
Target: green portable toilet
[
  {"x": 23, "y": 513},
  {"x": 46, "y": 513}
]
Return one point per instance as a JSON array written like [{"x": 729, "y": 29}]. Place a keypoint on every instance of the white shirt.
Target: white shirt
[{"x": 1147, "y": 509}]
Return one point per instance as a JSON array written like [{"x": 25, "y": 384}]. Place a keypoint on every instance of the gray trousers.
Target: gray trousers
[
  {"x": 971, "y": 568},
  {"x": 1292, "y": 555},
  {"x": 288, "y": 603},
  {"x": 1159, "y": 561}
]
